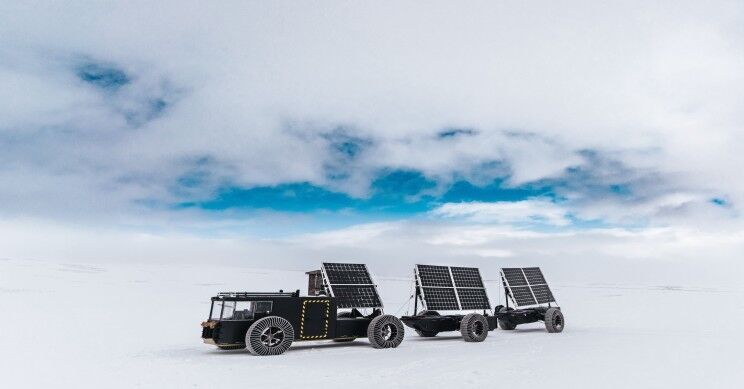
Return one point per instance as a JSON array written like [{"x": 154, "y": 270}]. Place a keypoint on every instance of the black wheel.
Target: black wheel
[
  {"x": 505, "y": 324},
  {"x": 428, "y": 313},
  {"x": 271, "y": 335},
  {"x": 554, "y": 321},
  {"x": 385, "y": 331},
  {"x": 232, "y": 347},
  {"x": 344, "y": 340},
  {"x": 474, "y": 327}
]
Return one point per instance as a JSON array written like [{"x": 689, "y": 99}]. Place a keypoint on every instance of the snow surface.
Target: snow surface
[{"x": 116, "y": 325}]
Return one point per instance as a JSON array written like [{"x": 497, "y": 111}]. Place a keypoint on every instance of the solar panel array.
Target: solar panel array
[
  {"x": 526, "y": 286},
  {"x": 351, "y": 285},
  {"x": 446, "y": 288}
]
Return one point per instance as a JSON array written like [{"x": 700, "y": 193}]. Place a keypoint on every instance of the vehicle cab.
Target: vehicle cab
[{"x": 231, "y": 313}]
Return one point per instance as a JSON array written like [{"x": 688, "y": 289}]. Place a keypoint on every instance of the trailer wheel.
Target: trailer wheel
[
  {"x": 344, "y": 340},
  {"x": 474, "y": 327},
  {"x": 428, "y": 313},
  {"x": 554, "y": 321},
  {"x": 506, "y": 324},
  {"x": 385, "y": 331},
  {"x": 271, "y": 335},
  {"x": 232, "y": 347}
]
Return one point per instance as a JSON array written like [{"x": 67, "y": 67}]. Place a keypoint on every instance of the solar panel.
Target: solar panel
[
  {"x": 351, "y": 285},
  {"x": 451, "y": 288},
  {"x": 522, "y": 295},
  {"x": 356, "y": 296},
  {"x": 514, "y": 276},
  {"x": 473, "y": 299},
  {"x": 534, "y": 275},
  {"x": 441, "y": 299},
  {"x": 542, "y": 294},
  {"x": 434, "y": 276},
  {"x": 526, "y": 286},
  {"x": 347, "y": 274},
  {"x": 468, "y": 277}
]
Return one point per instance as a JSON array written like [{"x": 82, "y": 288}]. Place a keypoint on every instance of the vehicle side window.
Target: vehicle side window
[
  {"x": 243, "y": 311},
  {"x": 216, "y": 310},
  {"x": 228, "y": 308},
  {"x": 263, "y": 306}
]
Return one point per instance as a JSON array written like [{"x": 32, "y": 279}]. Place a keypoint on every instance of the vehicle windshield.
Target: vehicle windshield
[{"x": 232, "y": 310}]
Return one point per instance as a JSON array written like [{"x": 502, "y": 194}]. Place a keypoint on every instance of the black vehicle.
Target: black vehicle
[
  {"x": 268, "y": 323},
  {"x": 527, "y": 289},
  {"x": 445, "y": 288}
]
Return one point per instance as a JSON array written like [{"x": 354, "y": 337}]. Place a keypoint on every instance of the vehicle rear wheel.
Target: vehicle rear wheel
[
  {"x": 505, "y": 324},
  {"x": 474, "y": 327},
  {"x": 554, "y": 321},
  {"x": 385, "y": 331},
  {"x": 271, "y": 335},
  {"x": 232, "y": 347}
]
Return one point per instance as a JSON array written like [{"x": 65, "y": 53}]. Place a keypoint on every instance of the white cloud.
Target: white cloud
[
  {"x": 655, "y": 86},
  {"x": 507, "y": 212}
]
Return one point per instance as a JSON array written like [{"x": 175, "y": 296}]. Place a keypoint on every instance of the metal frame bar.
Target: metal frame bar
[{"x": 454, "y": 286}]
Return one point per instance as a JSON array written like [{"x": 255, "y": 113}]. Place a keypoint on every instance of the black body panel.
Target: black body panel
[
  {"x": 312, "y": 318},
  {"x": 523, "y": 315},
  {"x": 445, "y": 323},
  {"x": 356, "y": 327}
]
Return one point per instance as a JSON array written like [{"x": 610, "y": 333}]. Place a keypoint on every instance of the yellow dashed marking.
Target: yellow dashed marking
[{"x": 325, "y": 325}]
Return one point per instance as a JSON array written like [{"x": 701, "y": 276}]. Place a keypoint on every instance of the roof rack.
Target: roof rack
[{"x": 259, "y": 294}]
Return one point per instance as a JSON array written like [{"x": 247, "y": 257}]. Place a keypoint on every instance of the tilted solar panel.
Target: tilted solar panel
[
  {"x": 431, "y": 275},
  {"x": 467, "y": 277},
  {"x": 542, "y": 294},
  {"x": 514, "y": 276},
  {"x": 522, "y": 295},
  {"x": 534, "y": 275},
  {"x": 356, "y": 296},
  {"x": 451, "y": 288},
  {"x": 347, "y": 274},
  {"x": 473, "y": 299},
  {"x": 440, "y": 299},
  {"x": 527, "y": 286},
  {"x": 351, "y": 285}
]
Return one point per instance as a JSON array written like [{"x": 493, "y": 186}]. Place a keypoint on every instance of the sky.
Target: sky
[{"x": 282, "y": 133}]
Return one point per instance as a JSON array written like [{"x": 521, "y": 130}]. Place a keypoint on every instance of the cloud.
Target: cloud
[
  {"x": 530, "y": 212},
  {"x": 632, "y": 106}
]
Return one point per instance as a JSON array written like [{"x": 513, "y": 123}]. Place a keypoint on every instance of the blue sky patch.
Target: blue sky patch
[
  {"x": 454, "y": 132},
  {"x": 345, "y": 145},
  {"x": 392, "y": 192},
  {"x": 719, "y": 202},
  {"x": 103, "y": 76}
]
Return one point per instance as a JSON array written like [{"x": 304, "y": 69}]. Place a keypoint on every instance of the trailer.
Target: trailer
[
  {"x": 348, "y": 307},
  {"x": 532, "y": 298},
  {"x": 453, "y": 299}
]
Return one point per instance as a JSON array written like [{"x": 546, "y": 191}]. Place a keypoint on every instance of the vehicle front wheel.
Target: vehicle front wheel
[
  {"x": 385, "y": 331},
  {"x": 271, "y": 335},
  {"x": 474, "y": 327},
  {"x": 554, "y": 321}
]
